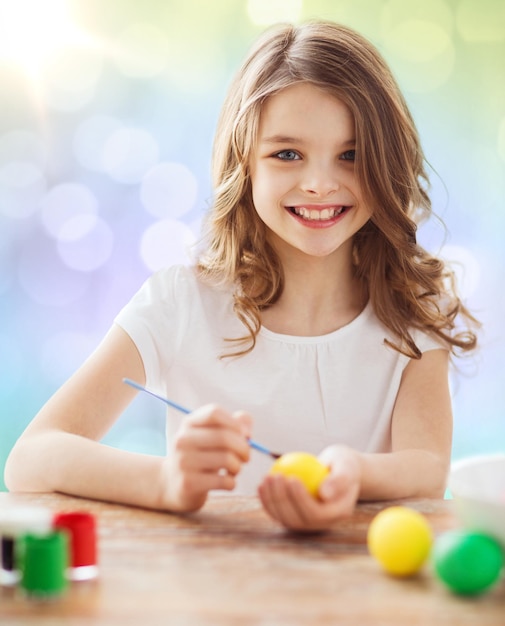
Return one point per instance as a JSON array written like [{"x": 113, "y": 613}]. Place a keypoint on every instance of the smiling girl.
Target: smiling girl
[{"x": 313, "y": 319}]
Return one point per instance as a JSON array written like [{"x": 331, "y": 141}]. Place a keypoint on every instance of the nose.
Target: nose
[{"x": 321, "y": 179}]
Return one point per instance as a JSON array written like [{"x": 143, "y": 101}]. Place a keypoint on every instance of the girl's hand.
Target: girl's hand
[
  {"x": 207, "y": 453},
  {"x": 288, "y": 501}
]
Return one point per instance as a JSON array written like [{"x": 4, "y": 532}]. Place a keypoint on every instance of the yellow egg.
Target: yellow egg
[
  {"x": 304, "y": 466},
  {"x": 400, "y": 539}
]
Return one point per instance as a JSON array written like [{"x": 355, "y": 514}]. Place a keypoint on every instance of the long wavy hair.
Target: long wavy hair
[{"x": 408, "y": 287}]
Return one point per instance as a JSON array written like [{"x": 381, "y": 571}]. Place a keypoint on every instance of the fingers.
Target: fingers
[
  {"x": 203, "y": 439},
  {"x": 215, "y": 416},
  {"x": 245, "y": 422},
  {"x": 207, "y": 453},
  {"x": 211, "y": 429},
  {"x": 208, "y": 462},
  {"x": 283, "y": 498},
  {"x": 187, "y": 491},
  {"x": 345, "y": 473},
  {"x": 287, "y": 500},
  {"x": 198, "y": 484}
]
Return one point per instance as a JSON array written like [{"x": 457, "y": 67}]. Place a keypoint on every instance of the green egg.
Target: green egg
[{"x": 467, "y": 562}]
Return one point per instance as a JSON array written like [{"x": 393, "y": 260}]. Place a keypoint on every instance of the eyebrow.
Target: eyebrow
[{"x": 297, "y": 140}]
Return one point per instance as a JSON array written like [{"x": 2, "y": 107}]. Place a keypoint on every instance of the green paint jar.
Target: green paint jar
[{"x": 43, "y": 561}]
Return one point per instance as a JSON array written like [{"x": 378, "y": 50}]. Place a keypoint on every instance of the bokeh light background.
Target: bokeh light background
[{"x": 107, "y": 113}]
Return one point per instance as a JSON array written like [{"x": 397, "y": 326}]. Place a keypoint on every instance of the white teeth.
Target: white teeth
[{"x": 314, "y": 214}]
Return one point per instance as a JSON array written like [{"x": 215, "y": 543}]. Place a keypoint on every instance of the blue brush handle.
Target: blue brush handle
[
  {"x": 182, "y": 409},
  {"x": 174, "y": 405}
]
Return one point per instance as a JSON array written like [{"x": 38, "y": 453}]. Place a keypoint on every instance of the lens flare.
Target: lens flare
[{"x": 34, "y": 33}]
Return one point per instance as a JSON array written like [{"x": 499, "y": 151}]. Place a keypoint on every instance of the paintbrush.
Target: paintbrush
[{"x": 254, "y": 444}]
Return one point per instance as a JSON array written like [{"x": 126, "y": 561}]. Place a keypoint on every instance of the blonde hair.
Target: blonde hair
[{"x": 408, "y": 288}]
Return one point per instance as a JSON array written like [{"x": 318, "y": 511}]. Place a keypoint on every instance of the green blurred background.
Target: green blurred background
[{"x": 107, "y": 113}]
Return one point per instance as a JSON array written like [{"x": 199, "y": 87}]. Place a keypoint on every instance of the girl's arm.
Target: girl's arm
[
  {"x": 60, "y": 449},
  {"x": 417, "y": 466},
  {"x": 421, "y": 436}
]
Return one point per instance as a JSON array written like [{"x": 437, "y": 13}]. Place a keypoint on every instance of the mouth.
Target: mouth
[{"x": 318, "y": 215}]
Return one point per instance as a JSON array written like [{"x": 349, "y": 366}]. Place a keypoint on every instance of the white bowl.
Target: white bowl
[{"x": 477, "y": 485}]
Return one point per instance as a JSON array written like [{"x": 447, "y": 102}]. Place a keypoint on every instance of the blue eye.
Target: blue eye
[
  {"x": 349, "y": 155},
  {"x": 287, "y": 155}
]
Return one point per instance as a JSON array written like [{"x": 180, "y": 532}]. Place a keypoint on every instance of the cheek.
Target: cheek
[
  {"x": 270, "y": 184},
  {"x": 265, "y": 200},
  {"x": 261, "y": 201},
  {"x": 261, "y": 187},
  {"x": 350, "y": 181}
]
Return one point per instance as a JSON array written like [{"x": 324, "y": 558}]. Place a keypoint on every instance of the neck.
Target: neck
[{"x": 319, "y": 296}]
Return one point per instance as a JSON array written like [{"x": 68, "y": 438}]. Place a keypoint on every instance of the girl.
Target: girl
[{"x": 312, "y": 317}]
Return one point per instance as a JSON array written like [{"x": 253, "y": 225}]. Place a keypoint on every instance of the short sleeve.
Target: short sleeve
[
  {"x": 428, "y": 341},
  {"x": 149, "y": 319}
]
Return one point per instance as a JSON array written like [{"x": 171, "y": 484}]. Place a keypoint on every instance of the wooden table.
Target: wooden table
[{"x": 229, "y": 564}]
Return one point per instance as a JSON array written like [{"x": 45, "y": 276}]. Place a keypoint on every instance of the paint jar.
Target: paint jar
[
  {"x": 14, "y": 522},
  {"x": 81, "y": 527},
  {"x": 43, "y": 562}
]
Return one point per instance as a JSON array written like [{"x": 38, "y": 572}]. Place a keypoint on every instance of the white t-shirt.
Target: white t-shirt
[{"x": 303, "y": 393}]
